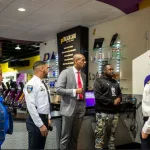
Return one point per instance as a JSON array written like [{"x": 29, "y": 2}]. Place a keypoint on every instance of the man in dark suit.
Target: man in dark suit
[{"x": 71, "y": 85}]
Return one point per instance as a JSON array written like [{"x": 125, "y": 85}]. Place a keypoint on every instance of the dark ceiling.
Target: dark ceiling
[{"x": 9, "y": 53}]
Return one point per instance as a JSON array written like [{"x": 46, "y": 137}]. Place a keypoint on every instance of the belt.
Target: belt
[
  {"x": 145, "y": 119},
  {"x": 43, "y": 115},
  {"x": 80, "y": 100}
]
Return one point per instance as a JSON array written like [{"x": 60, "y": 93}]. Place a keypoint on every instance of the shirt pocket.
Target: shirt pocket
[{"x": 42, "y": 95}]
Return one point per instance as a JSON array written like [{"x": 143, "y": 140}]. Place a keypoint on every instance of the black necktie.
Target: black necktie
[{"x": 48, "y": 94}]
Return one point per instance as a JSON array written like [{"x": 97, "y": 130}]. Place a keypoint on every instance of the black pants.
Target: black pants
[
  {"x": 145, "y": 143},
  {"x": 35, "y": 138}
]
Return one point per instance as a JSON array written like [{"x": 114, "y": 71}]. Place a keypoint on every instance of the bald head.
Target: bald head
[
  {"x": 79, "y": 61},
  {"x": 77, "y": 57}
]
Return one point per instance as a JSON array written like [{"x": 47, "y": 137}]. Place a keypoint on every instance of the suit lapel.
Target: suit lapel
[
  {"x": 82, "y": 76},
  {"x": 73, "y": 76},
  {"x": 83, "y": 79}
]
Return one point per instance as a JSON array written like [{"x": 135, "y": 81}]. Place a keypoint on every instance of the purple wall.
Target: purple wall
[{"x": 127, "y": 6}]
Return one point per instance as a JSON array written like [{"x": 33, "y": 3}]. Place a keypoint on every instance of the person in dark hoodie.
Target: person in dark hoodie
[{"x": 108, "y": 97}]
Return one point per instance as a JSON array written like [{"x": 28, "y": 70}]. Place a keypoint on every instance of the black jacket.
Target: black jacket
[{"x": 106, "y": 90}]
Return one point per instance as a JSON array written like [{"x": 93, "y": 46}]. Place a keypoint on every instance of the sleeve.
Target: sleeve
[
  {"x": 61, "y": 85},
  {"x": 74, "y": 92},
  {"x": 49, "y": 116},
  {"x": 98, "y": 92},
  {"x": 146, "y": 127},
  {"x": 30, "y": 92}
]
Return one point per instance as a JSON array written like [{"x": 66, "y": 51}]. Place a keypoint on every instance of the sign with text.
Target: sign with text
[{"x": 70, "y": 42}]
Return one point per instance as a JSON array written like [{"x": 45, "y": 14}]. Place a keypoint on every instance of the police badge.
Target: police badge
[{"x": 29, "y": 88}]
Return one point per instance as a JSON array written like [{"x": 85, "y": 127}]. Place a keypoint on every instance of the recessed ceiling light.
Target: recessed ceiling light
[
  {"x": 17, "y": 47},
  {"x": 21, "y": 9}
]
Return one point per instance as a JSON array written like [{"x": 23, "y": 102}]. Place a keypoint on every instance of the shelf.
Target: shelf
[
  {"x": 123, "y": 79},
  {"x": 109, "y": 47},
  {"x": 108, "y": 59},
  {"x": 51, "y": 60},
  {"x": 124, "y": 88},
  {"x": 53, "y": 68},
  {"x": 52, "y": 77}
]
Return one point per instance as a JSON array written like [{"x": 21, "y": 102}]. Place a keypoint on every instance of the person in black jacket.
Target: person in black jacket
[{"x": 108, "y": 97}]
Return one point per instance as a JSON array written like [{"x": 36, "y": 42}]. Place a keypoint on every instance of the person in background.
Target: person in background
[
  {"x": 37, "y": 97},
  {"x": 6, "y": 121},
  {"x": 108, "y": 97},
  {"x": 145, "y": 133},
  {"x": 71, "y": 85}
]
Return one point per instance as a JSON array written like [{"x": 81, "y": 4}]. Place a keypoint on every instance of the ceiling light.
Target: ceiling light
[
  {"x": 17, "y": 47},
  {"x": 21, "y": 9}
]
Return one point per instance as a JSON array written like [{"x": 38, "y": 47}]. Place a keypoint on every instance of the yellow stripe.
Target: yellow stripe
[
  {"x": 144, "y": 4},
  {"x": 32, "y": 60}
]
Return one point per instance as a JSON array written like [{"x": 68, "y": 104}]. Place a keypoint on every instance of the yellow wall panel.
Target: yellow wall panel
[
  {"x": 144, "y": 4},
  {"x": 32, "y": 60}
]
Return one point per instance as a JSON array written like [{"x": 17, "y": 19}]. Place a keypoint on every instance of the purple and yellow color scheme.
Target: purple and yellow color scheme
[{"x": 127, "y": 6}]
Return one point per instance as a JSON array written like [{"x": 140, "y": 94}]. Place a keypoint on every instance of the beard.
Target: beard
[
  {"x": 45, "y": 74},
  {"x": 110, "y": 75}
]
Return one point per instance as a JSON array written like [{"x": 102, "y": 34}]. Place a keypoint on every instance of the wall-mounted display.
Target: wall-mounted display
[
  {"x": 98, "y": 43},
  {"x": 109, "y": 55}
]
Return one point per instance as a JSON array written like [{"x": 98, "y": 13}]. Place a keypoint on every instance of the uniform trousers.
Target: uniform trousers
[
  {"x": 145, "y": 143},
  {"x": 35, "y": 138}
]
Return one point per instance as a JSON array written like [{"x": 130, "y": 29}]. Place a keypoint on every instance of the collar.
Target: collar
[
  {"x": 75, "y": 70},
  {"x": 105, "y": 77},
  {"x": 36, "y": 77}
]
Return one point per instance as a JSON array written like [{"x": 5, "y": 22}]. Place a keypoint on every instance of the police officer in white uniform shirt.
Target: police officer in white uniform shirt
[
  {"x": 145, "y": 133},
  {"x": 38, "y": 105}
]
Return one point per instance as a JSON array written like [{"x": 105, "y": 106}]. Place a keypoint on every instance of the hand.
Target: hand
[
  {"x": 117, "y": 101},
  {"x": 144, "y": 135},
  {"x": 43, "y": 130},
  {"x": 79, "y": 91}
]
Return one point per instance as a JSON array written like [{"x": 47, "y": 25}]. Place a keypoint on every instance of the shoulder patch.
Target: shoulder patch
[{"x": 29, "y": 88}]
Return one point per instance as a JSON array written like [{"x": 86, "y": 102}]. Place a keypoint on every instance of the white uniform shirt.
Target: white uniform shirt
[
  {"x": 76, "y": 77},
  {"x": 146, "y": 108},
  {"x": 36, "y": 99}
]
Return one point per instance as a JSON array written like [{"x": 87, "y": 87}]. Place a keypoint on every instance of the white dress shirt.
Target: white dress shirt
[
  {"x": 76, "y": 77},
  {"x": 36, "y": 99},
  {"x": 146, "y": 108}
]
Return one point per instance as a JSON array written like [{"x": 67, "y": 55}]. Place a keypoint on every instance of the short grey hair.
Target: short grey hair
[{"x": 38, "y": 63}]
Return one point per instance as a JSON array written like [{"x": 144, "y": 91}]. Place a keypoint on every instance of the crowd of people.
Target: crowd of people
[{"x": 71, "y": 85}]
